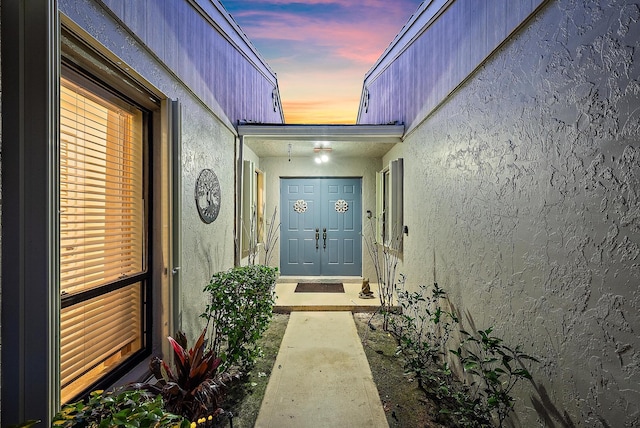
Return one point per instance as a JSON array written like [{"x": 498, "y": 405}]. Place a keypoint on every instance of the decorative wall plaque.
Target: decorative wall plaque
[
  {"x": 300, "y": 206},
  {"x": 208, "y": 195},
  {"x": 342, "y": 206}
]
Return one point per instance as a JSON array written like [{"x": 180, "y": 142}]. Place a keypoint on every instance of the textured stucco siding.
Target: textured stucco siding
[
  {"x": 206, "y": 143},
  {"x": 525, "y": 207},
  {"x": 206, "y": 248},
  {"x": 280, "y": 167}
]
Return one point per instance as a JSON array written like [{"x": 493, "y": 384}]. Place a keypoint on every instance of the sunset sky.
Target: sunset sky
[{"x": 321, "y": 49}]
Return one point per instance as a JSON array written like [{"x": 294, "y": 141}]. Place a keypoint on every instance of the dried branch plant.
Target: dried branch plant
[
  {"x": 272, "y": 237},
  {"x": 252, "y": 232},
  {"x": 385, "y": 257}
]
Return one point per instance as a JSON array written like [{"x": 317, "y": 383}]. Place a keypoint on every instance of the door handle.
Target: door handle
[
  {"x": 317, "y": 237},
  {"x": 324, "y": 238}
]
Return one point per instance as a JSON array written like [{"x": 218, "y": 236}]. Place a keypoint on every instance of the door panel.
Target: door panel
[
  {"x": 292, "y": 251},
  {"x": 332, "y": 253},
  {"x": 300, "y": 215},
  {"x": 349, "y": 248},
  {"x": 343, "y": 217},
  {"x": 309, "y": 258},
  {"x": 333, "y": 206}
]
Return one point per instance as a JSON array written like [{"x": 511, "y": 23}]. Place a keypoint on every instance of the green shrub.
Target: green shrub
[{"x": 239, "y": 311}]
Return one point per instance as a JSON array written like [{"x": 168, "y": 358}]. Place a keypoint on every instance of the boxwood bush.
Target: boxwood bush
[{"x": 239, "y": 311}]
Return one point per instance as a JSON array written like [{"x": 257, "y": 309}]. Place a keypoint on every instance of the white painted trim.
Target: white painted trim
[
  {"x": 30, "y": 284},
  {"x": 370, "y": 133}
]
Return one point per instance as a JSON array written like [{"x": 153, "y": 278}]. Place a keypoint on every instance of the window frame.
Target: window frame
[{"x": 78, "y": 63}]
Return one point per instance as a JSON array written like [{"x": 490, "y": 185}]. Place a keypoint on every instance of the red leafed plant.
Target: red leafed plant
[{"x": 194, "y": 388}]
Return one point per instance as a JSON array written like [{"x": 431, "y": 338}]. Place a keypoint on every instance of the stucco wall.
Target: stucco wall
[
  {"x": 524, "y": 205},
  {"x": 276, "y": 167},
  {"x": 206, "y": 248},
  {"x": 206, "y": 143},
  {"x": 249, "y": 155}
]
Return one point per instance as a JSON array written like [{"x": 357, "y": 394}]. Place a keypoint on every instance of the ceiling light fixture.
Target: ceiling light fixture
[
  {"x": 322, "y": 149},
  {"x": 322, "y": 153}
]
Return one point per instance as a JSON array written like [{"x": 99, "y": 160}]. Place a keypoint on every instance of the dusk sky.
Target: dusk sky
[{"x": 321, "y": 49}]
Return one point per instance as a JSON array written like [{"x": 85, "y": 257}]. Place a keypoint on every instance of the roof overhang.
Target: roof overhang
[{"x": 274, "y": 140}]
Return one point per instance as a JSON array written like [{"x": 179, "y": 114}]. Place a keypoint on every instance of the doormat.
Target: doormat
[{"x": 319, "y": 287}]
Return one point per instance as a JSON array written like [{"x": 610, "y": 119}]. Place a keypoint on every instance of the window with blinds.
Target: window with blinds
[{"x": 102, "y": 233}]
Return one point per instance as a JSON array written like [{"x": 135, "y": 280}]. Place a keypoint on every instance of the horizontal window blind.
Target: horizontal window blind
[
  {"x": 97, "y": 335},
  {"x": 101, "y": 190},
  {"x": 102, "y": 233}
]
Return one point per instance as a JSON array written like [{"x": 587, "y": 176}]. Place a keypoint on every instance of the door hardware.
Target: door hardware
[
  {"x": 317, "y": 237},
  {"x": 324, "y": 238}
]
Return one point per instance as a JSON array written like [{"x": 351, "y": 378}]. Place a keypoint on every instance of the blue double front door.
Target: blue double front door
[{"x": 321, "y": 225}]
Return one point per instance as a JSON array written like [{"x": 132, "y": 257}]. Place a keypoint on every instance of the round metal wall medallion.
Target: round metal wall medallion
[{"x": 208, "y": 195}]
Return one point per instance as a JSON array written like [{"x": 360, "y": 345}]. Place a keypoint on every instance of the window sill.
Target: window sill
[{"x": 139, "y": 373}]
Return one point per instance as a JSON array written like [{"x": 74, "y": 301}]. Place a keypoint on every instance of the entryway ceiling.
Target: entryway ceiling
[{"x": 271, "y": 140}]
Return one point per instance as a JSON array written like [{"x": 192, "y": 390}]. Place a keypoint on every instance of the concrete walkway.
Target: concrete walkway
[{"x": 321, "y": 377}]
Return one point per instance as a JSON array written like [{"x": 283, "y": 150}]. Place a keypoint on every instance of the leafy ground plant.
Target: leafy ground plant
[
  {"x": 193, "y": 388},
  {"x": 239, "y": 310},
  {"x": 497, "y": 367},
  {"x": 423, "y": 328},
  {"x": 127, "y": 408},
  {"x": 424, "y": 331}
]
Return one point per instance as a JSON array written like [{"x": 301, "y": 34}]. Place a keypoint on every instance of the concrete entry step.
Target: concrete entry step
[
  {"x": 332, "y": 279},
  {"x": 321, "y": 377},
  {"x": 287, "y": 300}
]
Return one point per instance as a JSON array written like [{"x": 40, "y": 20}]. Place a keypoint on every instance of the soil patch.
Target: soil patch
[
  {"x": 405, "y": 404},
  {"x": 245, "y": 396}
]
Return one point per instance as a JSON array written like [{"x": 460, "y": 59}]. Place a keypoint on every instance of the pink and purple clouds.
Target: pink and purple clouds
[{"x": 321, "y": 49}]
